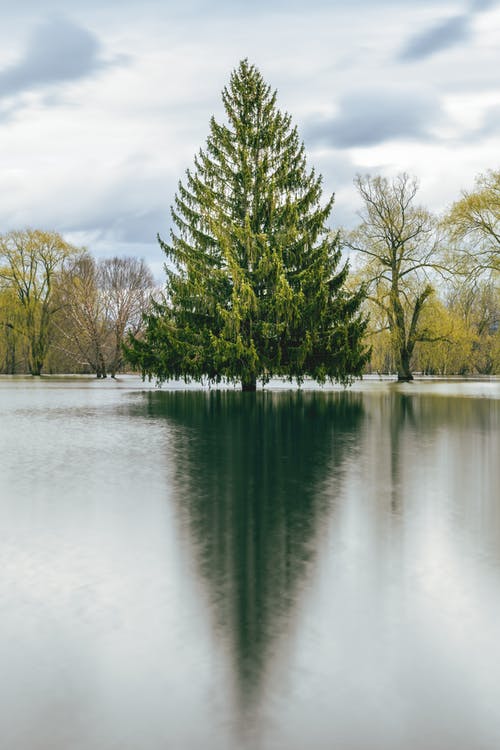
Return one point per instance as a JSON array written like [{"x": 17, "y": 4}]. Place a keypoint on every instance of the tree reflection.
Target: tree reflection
[
  {"x": 408, "y": 428},
  {"x": 248, "y": 476},
  {"x": 401, "y": 417}
]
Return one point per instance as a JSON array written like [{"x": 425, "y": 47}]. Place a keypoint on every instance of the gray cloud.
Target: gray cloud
[
  {"x": 490, "y": 126},
  {"x": 139, "y": 227},
  {"x": 367, "y": 118},
  {"x": 59, "y": 50},
  {"x": 443, "y": 35},
  {"x": 111, "y": 231},
  {"x": 479, "y": 5},
  {"x": 109, "y": 222}
]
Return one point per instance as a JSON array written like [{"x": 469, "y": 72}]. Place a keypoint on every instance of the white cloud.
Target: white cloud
[{"x": 98, "y": 151}]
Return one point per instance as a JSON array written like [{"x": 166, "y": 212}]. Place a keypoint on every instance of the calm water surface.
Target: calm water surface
[{"x": 187, "y": 569}]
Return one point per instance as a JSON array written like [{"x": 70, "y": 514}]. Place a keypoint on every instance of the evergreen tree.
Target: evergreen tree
[{"x": 252, "y": 287}]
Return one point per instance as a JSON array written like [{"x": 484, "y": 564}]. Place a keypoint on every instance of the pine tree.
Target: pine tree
[{"x": 252, "y": 286}]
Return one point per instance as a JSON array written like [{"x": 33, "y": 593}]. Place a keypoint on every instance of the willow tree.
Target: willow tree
[
  {"x": 473, "y": 223},
  {"x": 31, "y": 261},
  {"x": 254, "y": 288}
]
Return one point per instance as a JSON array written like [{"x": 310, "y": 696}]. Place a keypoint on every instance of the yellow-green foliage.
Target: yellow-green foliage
[
  {"x": 473, "y": 224},
  {"x": 30, "y": 262},
  {"x": 449, "y": 346}
]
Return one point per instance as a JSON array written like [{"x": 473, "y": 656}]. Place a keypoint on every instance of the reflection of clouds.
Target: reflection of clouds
[{"x": 249, "y": 477}]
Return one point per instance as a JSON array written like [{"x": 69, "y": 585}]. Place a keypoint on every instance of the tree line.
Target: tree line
[
  {"x": 432, "y": 283},
  {"x": 61, "y": 310},
  {"x": 257, "y": 284}
]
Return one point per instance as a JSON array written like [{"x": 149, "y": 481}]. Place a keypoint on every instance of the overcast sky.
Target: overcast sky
[{"x": 104, "y": 103}]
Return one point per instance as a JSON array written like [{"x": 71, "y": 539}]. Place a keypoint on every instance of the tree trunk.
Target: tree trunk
[
  {"x": 35, "y": 364},
  {"x": 250, "y": 384},
  {"x": 35, "y": 358},
  {"x": 404, "y": 372},
  {"x": 101, "y": 366}
]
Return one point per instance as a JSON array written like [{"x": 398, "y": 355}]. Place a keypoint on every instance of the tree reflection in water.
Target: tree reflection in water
[{"x": 249, "y": 470}]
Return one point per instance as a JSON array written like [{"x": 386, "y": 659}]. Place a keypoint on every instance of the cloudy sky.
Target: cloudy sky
[{"x": 104, "y": 102}]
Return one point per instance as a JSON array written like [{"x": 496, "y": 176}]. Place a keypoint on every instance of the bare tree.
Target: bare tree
[
  {"x": 101, "y": 302},
  {"x": 82, "y": 325},
  {"x": 125, "y": 286},
  {"x": 398, "y": 242}
]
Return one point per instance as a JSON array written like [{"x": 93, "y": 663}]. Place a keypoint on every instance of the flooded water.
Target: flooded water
[{"x": 185, "y": 569}]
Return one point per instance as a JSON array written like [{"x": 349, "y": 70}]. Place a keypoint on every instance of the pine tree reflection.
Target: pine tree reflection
[{"x": 249, "y": 473}]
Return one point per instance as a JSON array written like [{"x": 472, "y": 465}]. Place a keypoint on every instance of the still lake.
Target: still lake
[{"x": 184, "y": 569}]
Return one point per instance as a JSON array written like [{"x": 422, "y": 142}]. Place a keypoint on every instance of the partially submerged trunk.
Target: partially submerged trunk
[
  {"x": 249, "y": 384},
  {"x": 37, "y": 355},
  {"x": 405, "y": 376},
  {"x": 404, "y": 371},
  {"x": 407, "y": 342},
  {"x": 101, "y": 365},
  {"x": 36, "y": 358},
  {"x": 101, "y": 370}
]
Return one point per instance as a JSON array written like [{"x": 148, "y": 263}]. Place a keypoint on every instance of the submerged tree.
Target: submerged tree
[
  {"x": 126, "y": 286},
  {"x": 398, "y": 242},
  {"x": 100, "y": 302},
  {"x": 30, "y": 264},
  {"x": 81, "y": 325},
  {"x": 253, "y": 285},
  {"x": 12, "y": 342}
]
